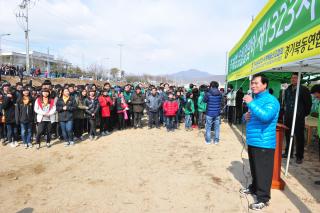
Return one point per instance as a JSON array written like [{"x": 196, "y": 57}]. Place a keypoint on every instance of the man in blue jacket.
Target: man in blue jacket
[
  {"x": 261, "y": 118},
  {"x": 213, "y": 99}
]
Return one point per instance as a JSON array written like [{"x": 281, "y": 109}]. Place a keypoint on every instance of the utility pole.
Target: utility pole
[
  {"x": 48, "y": 62},
  {"x": 120, "y": 45},
  {"x": 23, "y": 20},
  {"x": 101, "y": 65}
]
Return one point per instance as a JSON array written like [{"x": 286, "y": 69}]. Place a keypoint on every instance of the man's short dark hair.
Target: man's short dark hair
[
  {"x": 107, "y": 83},
  {"x": 264, "y": 79},
  {"x": 315, "y": 88},
  {"x": 214, "y": 84},
  {"x": 297, "y": 74}
]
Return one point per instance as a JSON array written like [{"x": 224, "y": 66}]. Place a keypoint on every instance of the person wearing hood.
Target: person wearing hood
[
  {"x": 202, "y": 106},
  {"x": 213, "y": 99}
]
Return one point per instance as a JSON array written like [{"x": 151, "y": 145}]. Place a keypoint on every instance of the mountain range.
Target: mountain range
[{"x": 196, "y": 76}]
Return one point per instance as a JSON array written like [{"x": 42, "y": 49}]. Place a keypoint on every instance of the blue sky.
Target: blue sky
[{"x": 159, "y": 36}]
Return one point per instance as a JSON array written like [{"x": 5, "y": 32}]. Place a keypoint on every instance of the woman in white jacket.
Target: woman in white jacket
[{"x": 45, "y": 109}]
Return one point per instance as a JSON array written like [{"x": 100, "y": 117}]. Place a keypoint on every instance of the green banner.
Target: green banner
[{"x": 285, "y": 31}]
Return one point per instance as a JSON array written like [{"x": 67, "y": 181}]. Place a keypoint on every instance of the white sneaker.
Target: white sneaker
[
  {"x": 26, "y": 146},
  {"x": 71, "y": 143},
  {"x": 91, "y": 137},
  {"x": 12, "y": 144},
  {"x": 66, "y": 144},
  {"x": 30, "y": 145},
  {"x": 216, "y": 142},
  {"x": 16, "y": 144}
]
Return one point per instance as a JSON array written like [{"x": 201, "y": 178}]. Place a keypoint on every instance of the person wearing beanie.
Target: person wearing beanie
[{"x": 5, "y": 87}]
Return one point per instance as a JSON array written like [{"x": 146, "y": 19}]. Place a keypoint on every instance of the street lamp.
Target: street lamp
[{"x": 2, "y": 35}]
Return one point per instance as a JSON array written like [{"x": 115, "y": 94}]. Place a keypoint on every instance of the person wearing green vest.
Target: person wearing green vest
[
  {"x": 188, "y": 111},
  {"x": 315, "y": 90},
  {"x": 202, "y": 107}
]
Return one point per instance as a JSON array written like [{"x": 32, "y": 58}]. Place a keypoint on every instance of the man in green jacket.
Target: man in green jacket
[
  {"x": 188, "y": 111},
  {"x": 202, "y": 107}
]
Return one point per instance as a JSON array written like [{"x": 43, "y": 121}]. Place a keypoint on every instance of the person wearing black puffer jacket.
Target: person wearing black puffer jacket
[
  {"x": 24, "y": 116},
  {"x": 65, "y": 108},
  {"x": 93, "y": 112}
]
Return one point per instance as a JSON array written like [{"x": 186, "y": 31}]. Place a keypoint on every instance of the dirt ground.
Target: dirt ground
[{"x": 143, "y": 171}]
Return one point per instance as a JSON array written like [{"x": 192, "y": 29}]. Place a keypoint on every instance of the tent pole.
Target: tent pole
[{"x": 294, "y": 120}]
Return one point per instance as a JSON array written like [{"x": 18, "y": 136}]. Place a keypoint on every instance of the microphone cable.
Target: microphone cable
[{"x": 243, "y": 141}]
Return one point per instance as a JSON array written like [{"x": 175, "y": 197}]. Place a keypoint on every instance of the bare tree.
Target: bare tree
[{"x": 114, "y": 72}]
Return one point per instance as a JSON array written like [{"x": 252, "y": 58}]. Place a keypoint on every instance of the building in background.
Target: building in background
[{"x": 38, "y": 60}]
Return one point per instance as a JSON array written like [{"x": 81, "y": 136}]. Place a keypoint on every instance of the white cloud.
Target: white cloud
[{"x": 160, "y": 36}]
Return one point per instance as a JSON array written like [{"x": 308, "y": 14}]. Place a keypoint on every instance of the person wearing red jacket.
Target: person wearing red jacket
[
  {"x": 105, "y": 103},
  {"x": 170, "y": 108}
]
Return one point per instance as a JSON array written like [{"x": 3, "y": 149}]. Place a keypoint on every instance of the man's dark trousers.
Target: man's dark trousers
[{"x": 261, "y": 165}]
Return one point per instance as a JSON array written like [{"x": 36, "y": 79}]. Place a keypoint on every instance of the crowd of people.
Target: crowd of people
[
  {"x": 69, "y": 111},
  {"x": 6, "y": 69}
]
